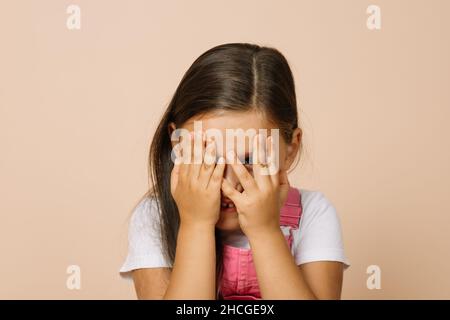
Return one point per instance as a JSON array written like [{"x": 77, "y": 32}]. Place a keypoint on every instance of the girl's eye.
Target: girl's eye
[{"x": 248, "y": 163}]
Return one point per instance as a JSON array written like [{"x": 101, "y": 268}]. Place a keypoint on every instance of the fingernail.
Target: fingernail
[
  {"x": 211, "y": 150},
  {"x": 221, "y": 160},
  {"x": 230, "y": 154}
]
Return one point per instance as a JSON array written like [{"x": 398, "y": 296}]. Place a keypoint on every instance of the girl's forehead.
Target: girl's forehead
[{"x": 231, "y": 120}]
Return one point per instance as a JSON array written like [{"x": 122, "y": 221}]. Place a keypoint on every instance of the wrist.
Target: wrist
[
  {"x": 264, "y": 234},
  {"x": 197, "y": 225}
]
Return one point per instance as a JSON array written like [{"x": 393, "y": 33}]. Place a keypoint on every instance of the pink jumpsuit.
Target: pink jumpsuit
[{"x": 238, "y": 281}]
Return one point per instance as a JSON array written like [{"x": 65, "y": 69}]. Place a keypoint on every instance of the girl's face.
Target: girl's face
[{"x": 244, "y": 121}]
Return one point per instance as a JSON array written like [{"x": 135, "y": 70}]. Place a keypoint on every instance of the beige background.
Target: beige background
[{"x": 78, "y": 109}]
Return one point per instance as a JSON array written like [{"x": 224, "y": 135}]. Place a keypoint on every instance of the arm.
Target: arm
[
  {"x": 195, "y": 187},
  {"x": 324, "y": 278},
  {"x": 280, "y": 278},
  {"x": 258, "y": 208},
  {"x": 194, "y": 270},
  {"x": 151, "y": 283},
  {"x": 193, "y": 273}
]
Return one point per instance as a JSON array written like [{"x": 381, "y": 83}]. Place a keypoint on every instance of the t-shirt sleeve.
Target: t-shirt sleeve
[
  {"x": 144, "y": 241},
  {"x": 319, "y": 236}
]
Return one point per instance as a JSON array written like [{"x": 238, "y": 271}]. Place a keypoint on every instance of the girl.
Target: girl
[{"x": 223, "y": 222}]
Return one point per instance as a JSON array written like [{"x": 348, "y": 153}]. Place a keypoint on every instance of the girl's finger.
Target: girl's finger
[
  {"x": 199, "y": 146},
  {"x": 284, "y": 185},
  {"x": 272, "y": 161},
  {"x": 186, "y": 143},
  {"x": 231, "y": 192},
  {"x": 216, "y": 178},
  {"x": 283, "y": 178},
  {"x": 245, "y": 178},
  {"x": 260, "y": 170},
  {"x": 174, "y": 177},
  {"x": 209, "y": 161}
]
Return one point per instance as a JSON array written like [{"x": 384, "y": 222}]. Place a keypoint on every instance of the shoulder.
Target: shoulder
[
  {"x": 319, "y": 235},
  {"x": 144, "y": 225},
  {"x": 316, "y": 205},
  {"x": 145, "y": 213},
  {"x": 144, "y": 239}
]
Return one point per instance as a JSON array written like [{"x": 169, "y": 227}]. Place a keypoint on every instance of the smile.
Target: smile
[{"x": 227, "y": 205}]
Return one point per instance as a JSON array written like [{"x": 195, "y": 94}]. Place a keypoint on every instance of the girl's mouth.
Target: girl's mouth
[{"x": 227, "y": 207}]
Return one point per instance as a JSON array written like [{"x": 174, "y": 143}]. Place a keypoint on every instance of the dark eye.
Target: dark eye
[
  {"x": 248, "y": 162},
  {"x": 245, "y": 160}
]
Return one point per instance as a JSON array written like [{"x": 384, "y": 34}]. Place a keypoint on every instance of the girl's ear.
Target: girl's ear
[
  {"x": 293, "y": 148},
  {"x": 170, "y": 129}
]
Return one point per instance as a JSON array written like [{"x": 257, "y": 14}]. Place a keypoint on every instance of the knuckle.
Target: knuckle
[{"x": 215, "y": 177}]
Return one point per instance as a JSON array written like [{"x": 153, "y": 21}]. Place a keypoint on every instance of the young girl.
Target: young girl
[{"x": 222, "y": 221}]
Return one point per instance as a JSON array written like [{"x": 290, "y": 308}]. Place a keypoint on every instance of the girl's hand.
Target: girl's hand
[
  {"x": 195, "y": 182},
  {"x": 259, "y": 205}
]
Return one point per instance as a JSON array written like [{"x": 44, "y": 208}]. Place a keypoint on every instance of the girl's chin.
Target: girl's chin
[
  {"x": 228, "y": 220},
  {"x": 228, "y": 210}
]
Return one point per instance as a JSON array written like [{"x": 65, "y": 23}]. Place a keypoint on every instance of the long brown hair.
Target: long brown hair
[{"x": 228, "y": 77}]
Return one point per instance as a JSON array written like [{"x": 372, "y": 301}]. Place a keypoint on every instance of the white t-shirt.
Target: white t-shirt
[{"x": 318, "y": 238}]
